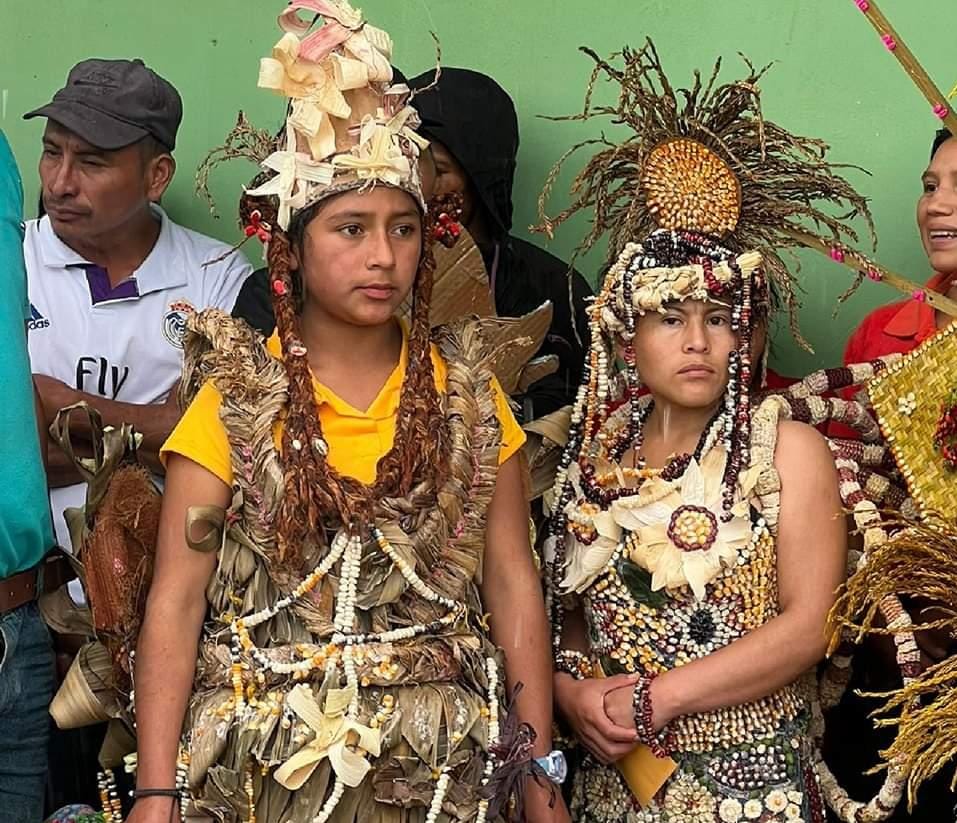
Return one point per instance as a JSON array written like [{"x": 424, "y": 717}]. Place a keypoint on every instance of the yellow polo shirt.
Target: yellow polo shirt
[{"x": 357, "y": 439}]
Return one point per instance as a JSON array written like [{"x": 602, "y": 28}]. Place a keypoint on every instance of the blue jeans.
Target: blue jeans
[{"x": 26, "y": 688}]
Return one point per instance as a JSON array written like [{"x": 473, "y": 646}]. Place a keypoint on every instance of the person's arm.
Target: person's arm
[
  {"x": 511, "y": 593},
  {"x": 168, "y": 642},
  {"x": 60, "y": 468},
  {"x": 154, "y": 421},
  {"x": 811, "y": 563},
  {"x": 41, "y": 429},
  {"x": 582, "y": 702}
]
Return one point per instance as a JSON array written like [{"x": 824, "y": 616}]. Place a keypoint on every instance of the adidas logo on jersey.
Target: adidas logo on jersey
[{"x": 37, "y": 320}]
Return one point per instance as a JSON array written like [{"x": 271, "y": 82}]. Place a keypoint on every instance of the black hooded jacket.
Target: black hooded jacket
[{"x": 474, "y": 118}]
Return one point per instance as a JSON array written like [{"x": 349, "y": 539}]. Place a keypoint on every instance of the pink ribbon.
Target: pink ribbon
[
  {"x": 889, "y": 41},
  {"x": 863, "y": 5},
  {"x": 837, "y": 255},
  {"x": 320, "y": 44},
  {"x": 919, "y": 295},
  {"x": 875, "y": 275},
  {"x": 941, "y": 110}
]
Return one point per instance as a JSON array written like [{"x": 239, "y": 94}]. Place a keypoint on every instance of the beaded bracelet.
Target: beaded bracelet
[
  {"x": 644, "y": 724},
  {"x": 577, "y": 664}
]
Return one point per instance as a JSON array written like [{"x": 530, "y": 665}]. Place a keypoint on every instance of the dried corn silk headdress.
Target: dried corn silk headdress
[
  {"x": 347, "y": 128},
  {"x": 704, "y": 160}
]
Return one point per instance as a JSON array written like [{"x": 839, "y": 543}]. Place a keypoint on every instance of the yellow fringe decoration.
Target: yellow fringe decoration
[
  {"x": 920, "y": 560},
  {"x": 926, "y": 740}
]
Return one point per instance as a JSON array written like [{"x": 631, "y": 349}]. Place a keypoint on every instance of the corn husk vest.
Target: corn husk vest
[{"x": 283, "y": 732}]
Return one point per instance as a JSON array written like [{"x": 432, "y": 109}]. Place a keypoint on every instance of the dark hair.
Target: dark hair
[
  {"x": 315, "y": 494},
  {"x": 150, "y": 148},
  {"x": 940, "y": 138}
]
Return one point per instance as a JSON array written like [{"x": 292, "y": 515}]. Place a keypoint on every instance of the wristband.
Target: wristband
[
  {"x": 138, "y": 793},
  {"x": 658, "y": 742}
]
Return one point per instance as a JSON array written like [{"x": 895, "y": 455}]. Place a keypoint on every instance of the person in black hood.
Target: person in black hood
[{"x": 472, "y": 125}]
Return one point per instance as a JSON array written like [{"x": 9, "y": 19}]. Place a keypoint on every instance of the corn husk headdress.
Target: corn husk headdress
[
  {"x": 347, "y": 126},
  {"x": 704, "y": 161}
]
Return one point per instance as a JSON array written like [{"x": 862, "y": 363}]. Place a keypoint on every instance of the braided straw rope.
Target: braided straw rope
[{"x": 856, "y": 465}]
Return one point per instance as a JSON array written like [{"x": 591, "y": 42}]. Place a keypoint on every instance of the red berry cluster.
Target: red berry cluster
[
  {"x": 447, "y": 229},
  {"x": 258, "y": 227},
  {"x": 945, "y": 438}
]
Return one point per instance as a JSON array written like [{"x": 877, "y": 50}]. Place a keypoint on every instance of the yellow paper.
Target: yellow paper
[{"x": 644, "y": 772}]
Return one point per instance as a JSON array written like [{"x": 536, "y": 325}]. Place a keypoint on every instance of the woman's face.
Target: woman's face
[
  {"x": 359, "y": 255},
  {"x": 937, "y": 209},
  {"x": 682, "y": 354}
]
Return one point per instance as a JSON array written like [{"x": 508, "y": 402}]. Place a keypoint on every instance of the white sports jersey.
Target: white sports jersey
[{"x": 128, "y": 349}]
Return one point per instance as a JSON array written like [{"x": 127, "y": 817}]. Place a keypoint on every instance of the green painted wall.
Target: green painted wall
[{"x": 832, "y": 79}]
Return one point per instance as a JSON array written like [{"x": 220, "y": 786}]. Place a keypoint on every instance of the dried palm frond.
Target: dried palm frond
[{"x": 244, "y": 141}]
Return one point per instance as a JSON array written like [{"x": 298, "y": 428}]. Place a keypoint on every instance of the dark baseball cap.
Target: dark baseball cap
[{"x": 114, "y": 103}]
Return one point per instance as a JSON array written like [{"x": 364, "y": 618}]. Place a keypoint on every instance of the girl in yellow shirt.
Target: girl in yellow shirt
[{"x": 331, "y": 620}]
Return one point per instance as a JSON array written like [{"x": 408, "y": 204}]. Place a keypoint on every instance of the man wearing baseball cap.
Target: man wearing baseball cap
[{"x": 112, "y": 279}]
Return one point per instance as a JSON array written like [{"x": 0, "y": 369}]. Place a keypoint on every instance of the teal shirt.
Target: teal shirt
[{"x": 25, "y": 530}]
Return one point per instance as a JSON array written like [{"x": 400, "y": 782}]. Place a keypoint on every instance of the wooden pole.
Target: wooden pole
[
  {"x": 896, "y": 46},
  {"x": 853, "y": 259}
]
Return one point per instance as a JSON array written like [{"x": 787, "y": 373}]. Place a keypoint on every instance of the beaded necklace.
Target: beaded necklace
[{"x": 602, "y": 490}]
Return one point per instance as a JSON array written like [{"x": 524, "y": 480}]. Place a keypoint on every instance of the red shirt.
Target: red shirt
[
  {"x": 777, "y": 382},
  {"x": 895, "y": 329}
]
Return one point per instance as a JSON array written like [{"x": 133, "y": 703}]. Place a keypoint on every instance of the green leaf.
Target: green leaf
[
  {"x": 611, "y": 667},
  {"x": 638, "y": 582}
]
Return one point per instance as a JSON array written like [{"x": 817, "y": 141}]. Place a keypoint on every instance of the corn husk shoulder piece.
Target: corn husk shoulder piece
[{"x": 461, "y": 289}]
